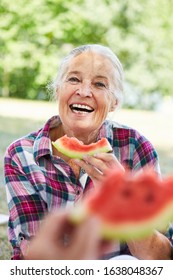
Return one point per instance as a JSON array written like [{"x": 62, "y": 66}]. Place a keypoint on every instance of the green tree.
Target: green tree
[{"x": 34, "y": 35}]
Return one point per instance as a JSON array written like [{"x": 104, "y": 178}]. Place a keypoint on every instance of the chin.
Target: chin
[{"x": 84, "y": 128}]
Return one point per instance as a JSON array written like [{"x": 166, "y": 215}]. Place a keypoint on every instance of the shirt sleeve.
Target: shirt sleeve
[
  {"x": 145, "y": 154},
  {"x": 26, "y": 207}
]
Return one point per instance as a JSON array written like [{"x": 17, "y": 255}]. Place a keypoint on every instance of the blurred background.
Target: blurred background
[{"x": 35, "y": 35}]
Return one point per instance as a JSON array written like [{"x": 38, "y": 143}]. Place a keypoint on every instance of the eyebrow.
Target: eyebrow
[
  {"x": 78, "y": 72},
  {"x": 73, "y": 72},
  {"x": 102, "y": 77}
]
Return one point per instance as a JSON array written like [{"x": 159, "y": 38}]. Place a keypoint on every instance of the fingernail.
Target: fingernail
[
  {"x": 85, "y": 157},
  {"x": 77, "y": 160}
]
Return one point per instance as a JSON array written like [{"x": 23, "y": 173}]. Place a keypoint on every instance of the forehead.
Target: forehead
[{"x": 91, "y": 62}]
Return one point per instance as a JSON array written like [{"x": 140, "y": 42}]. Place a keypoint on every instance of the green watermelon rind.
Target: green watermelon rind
[
  {"x": 141, "y": 229},
  {"x": 129, "y": 230},
  {"x": 79, "y": 155}
]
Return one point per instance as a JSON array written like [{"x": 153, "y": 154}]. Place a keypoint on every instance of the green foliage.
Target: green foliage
[{"x": 35, "y": 35}]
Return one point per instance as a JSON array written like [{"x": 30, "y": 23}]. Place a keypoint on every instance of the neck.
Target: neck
[{"x": 86, "y": 138}]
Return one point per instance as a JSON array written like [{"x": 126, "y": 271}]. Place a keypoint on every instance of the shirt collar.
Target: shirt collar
[
  {"x": 106, "y": 131},
  {"x": 42, "y": 144}
]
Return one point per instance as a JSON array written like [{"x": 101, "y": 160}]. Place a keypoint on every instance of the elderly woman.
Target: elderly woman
[{"x": 39, "y": 179}]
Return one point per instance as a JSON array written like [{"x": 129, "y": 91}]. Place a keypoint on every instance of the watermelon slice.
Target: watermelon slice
[
  {"x": 73, "y": 148},
  {"x": 130, "y": 206}
]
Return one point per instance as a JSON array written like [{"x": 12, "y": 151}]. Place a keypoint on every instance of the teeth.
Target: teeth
[{"x": 81, "y": 106}]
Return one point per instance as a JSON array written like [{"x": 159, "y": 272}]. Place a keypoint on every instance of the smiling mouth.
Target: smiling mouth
[{"x": 77, "y": 108}]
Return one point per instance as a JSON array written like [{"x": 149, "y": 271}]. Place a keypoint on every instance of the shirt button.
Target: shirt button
[{"x": 77, "y": 192}]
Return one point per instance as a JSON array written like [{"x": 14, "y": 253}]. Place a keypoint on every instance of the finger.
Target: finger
[
  {"x": 48, "y": 239},
  {"x": 109, "y": 159},
  {"x": 101, "y": 162},
  {"x": 56, "y": 224},
  {"x": 97, "y": 163},
  {"x": 91, "y": 170},
  {"x": 90, "y": 231},
  {"x": 106, "y": 157}
]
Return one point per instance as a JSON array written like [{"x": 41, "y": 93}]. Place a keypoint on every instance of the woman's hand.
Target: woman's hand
[
  {"x": 96, "y": 166},
  {"x": 155, "y": 247}
]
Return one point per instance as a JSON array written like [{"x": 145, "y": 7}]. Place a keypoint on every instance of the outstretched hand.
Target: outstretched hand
[{"x": 59, "y": 239}]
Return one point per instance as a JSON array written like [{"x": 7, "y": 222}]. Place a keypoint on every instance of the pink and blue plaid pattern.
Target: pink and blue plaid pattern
[{"x": 37, "y": 181}]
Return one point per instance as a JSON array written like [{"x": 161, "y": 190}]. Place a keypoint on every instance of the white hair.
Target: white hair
[{"x": 106, "y": 52}]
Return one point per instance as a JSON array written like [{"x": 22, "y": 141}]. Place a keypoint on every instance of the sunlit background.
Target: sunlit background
[{"x": 35, "y": 35}]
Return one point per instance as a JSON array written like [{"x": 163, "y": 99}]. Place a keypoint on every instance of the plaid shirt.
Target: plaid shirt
[{"x": 37, "y": 181}]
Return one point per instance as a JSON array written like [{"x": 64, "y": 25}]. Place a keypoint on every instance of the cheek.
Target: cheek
[
  {"x": 62, "y": 105},
  {"x": 103, "y": 109},
  {"x": 65, "y": 93},
  {"x": 63, "y": 97},
  {"x": 105, "y": 104}
]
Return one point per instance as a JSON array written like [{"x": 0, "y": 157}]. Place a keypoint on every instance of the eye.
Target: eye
[
  {"x": 73, "y": 80},
  {"x": 100, "y": 85}
]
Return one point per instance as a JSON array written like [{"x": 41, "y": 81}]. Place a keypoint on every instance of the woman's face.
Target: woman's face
[{"x": 85, "y": 96}]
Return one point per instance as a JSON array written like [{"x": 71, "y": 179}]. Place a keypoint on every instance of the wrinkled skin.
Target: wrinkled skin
[{"x": 88, "y": 81}]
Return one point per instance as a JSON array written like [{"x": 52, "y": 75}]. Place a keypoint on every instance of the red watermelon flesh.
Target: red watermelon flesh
[
  {"x": 131, "y": 206},
  {"x": 73, "y": 148}
]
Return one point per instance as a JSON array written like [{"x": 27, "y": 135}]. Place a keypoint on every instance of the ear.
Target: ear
[
  {"x": 57, "y": 93},
  {"x": 113, "y": 105}
]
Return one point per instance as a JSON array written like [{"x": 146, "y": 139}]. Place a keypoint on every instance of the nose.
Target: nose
[{"x": 85, "y": 90}]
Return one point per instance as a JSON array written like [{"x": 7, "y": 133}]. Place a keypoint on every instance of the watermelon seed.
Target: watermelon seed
[
  {"x": 127, "y": 192},
  {"x": 149, "y": 198}
]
